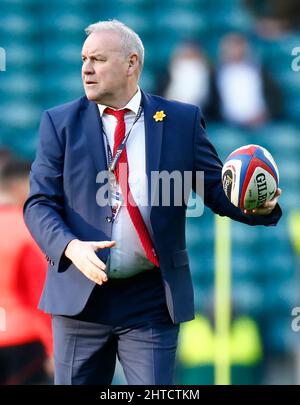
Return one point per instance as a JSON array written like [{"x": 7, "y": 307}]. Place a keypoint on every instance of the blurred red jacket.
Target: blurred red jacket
[{"x": 22, "y": 275}]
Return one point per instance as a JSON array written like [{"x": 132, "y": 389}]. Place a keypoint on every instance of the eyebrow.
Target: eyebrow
[{"x": 94, "y": 55}]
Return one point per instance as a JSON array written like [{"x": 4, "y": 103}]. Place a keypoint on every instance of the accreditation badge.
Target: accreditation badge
[
  {"x": 116, "y": 200},
  {"x": 115, "y": 195}
]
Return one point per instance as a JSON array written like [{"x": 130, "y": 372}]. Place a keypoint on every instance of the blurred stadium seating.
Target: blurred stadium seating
[{"x": 43, "y": 43}]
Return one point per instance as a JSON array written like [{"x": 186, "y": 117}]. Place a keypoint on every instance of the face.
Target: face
[
  {"x": 105, "y": 69},
  {"x": 234, "y": 48}
]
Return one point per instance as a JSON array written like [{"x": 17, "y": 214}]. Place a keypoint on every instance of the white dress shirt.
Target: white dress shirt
[{"x": 128, "y": 257}]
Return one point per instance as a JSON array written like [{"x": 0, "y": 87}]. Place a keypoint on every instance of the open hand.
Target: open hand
[{"x": 83, "y": 255}]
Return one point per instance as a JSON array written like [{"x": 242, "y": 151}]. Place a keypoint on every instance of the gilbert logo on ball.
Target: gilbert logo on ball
[{"x": 250, "y": 176}]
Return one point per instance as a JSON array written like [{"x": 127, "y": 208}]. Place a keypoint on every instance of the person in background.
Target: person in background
[
  {"x": 248, "y": 97},
  {"x": 275, "y": 17},
  {"x": 26, "y": 339},
  {"x": 189, "y": 75},
  {"x": 189, "y": 79},
  {"x": 5, "y": 154}
]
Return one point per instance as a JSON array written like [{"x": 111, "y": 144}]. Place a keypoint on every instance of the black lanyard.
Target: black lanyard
[{"x": 113, "y": 161}]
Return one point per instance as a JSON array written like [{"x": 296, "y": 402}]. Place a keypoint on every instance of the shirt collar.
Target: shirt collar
[{"x": 133, "y": 104}]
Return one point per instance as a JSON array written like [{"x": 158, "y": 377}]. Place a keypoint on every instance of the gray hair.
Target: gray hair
[{"x": 130, "y": 40}]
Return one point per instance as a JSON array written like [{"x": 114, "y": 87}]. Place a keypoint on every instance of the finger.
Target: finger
[
  {"x": 262, "y": 211},
  {"x": 91, "y": 276},
  {"x": 267, "y": 207},
  {"x": 93, "y": 258},
  {"x": 249, "y": 212},
  {"x": 274, "y": 200},
  {"x": 104, "y": 244},
  {"x": 94, "y": 273},
  {"x": 268, "y": 204},
  {"x": 278, "y": 193},
  {"x": 259, "y": 211}
]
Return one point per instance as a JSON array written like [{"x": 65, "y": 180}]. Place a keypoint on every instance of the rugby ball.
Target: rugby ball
[{"x": 250, "y": 177}]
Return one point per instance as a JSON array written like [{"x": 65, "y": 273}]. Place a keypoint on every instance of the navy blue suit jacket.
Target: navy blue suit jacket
[{"x": 62, "y": 203}]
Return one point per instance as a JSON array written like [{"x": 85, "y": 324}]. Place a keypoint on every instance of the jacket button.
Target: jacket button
[{"x": 108, "y": 219}]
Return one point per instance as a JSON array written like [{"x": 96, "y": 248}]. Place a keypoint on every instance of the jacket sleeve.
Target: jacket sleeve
[
  {"x": 44, "y": 208},
  {"x": 206, "y": 159}
]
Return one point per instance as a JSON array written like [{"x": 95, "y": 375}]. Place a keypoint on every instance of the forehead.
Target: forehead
[{"x": 102, "y": 41}]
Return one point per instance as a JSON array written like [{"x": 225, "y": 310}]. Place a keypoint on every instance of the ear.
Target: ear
[{"x": 133, "y": 64}]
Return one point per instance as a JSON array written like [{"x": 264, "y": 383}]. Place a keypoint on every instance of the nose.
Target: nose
[{"x": 87, "y": 67}]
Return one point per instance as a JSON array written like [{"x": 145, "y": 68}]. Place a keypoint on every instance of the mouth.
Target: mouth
[{"x": 89, "y": 83}]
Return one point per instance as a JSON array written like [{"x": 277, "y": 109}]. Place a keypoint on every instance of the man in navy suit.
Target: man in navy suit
[{"x": 119, "y": 282}]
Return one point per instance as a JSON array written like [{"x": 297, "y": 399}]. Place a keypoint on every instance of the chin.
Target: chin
[{"x": 91, "y": 96}]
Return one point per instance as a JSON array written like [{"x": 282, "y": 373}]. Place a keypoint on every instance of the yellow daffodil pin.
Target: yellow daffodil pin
[{"x": 159, "y": 115}]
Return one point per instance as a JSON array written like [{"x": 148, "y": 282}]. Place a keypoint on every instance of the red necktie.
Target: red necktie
[{"x": 129, "y": 202}]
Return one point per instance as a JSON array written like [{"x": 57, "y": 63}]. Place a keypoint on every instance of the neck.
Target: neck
[{"x": 119, "y": 101}]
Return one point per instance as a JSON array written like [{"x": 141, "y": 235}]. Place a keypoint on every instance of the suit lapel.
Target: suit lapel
[
  {"x": 153, "y": 141},
  {"x": 92, "y": 129}
]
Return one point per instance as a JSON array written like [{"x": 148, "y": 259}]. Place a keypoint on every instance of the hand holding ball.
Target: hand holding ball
[{"x": 250, "y": 177}]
